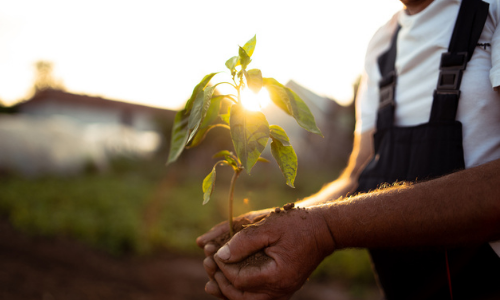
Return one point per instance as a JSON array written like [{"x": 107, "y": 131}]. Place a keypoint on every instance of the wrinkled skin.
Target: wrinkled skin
[
  {"x": 296, "y": 242},
  {"x": 206, "y": 242}
]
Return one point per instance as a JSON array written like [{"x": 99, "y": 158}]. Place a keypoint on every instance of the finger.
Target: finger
[
  {"x": 228, "y": 290},
  {"x": 210, "y": 266},
  {"x": 212, "y": 288},
  {"x": 250, "y": 273},
  {"x": 210, "y": 249},
  {"x": 243, "y": 244},
  {"x": 216, "y": 231}
]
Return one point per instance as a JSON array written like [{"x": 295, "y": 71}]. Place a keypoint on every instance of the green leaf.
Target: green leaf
[
  {"x": 250, "y": 133},
  {"x": 231, "y": 159},
  {"x": 179, "y": 136},
  {"x": 254, "y": 79},
  {"x": 224, "y": 118},
  {"x": 287, "y": 160},
  {"x": 212, "y": 112},
  {"x": 232, "y": 162},
  {"x": 290, "y": 102},
  {"x": 232, "y": 62},
  {"x": 202, "y": 133},
  {"x": 262, "y": 159},
  {"x": 244, "y": 58},
  {"x": 199, "y": 87},
  {"x": 199, "y": 110},
  {"x": 222, "y": 153},
  {"x": 208, "y": 185},
  {"x": 249, "y": 46},
  {"x": 279, "y": 134},
  {"x": 248, "y": 49},
  {"x": 206, "y": 124},
  {"x": 278, "y": 94},
  {"x": 209, "y": 182},
  {"x": 198, "y": 137}
]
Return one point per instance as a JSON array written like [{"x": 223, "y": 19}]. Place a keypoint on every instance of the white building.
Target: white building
[
  {"x": 56, "y": 132},
  {"x": 93, "y": 110}
]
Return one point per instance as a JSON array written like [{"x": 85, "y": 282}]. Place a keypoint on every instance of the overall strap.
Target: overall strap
[
  {"x": 468, "y": 27},
  {"x": 387, "y": 85}
]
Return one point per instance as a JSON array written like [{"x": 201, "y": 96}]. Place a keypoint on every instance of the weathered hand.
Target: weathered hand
[
  {"x": 273, "y": 258},
  {"x": 210, "y": 242},
  {"x": 223, "y": 227}
]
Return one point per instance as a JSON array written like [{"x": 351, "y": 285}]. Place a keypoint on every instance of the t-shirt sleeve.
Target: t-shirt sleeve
[
  {"x": 366, "y": 104},
  {"x": 367, "y": 99}
]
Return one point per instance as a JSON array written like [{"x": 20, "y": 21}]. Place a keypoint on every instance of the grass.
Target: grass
[
  {"x": 141, "y": 207},
  {"x": 101, "y": 211}
]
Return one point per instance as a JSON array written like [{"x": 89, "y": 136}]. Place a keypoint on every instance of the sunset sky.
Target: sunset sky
[{"x": 155, "y": 52}]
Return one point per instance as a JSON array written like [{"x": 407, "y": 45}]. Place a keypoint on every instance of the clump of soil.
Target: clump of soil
[
  {"x": 257, "y": 259},
  {"x": 237, "y": 226}
]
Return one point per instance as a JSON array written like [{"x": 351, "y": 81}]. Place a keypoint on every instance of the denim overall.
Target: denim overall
[{"x": 424, "y": 152}]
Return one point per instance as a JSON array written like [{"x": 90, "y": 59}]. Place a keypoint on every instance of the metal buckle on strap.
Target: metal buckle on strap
[
  {"x": 449, "y": 82},
  {"x": 450, "y": 74}
]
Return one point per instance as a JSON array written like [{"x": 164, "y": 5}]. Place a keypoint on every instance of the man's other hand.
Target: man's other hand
[{"x": 272, "y": 258}]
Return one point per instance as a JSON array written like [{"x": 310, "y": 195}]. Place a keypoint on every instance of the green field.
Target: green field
[{"x": 139, "y": 207}]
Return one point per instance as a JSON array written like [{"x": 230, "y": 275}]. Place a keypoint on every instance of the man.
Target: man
[{"x": 434, "y": 239}]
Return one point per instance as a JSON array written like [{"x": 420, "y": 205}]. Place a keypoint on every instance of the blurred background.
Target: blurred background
[{"x": 88, "y": 92}]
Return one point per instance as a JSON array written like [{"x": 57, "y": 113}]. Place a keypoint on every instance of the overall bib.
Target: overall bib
[{"x": 424, "y": 152}]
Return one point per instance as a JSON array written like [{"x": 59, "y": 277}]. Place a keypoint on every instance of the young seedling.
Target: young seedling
[{"x": 249, "y": 130}]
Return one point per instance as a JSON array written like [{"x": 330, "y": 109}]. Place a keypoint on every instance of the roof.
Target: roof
[{"x": 62, "y": 97}]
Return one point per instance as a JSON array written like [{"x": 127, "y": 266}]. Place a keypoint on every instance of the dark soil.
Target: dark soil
[
  {"x": 47, "y": 269},
  {"x": 53, "y": 269}
]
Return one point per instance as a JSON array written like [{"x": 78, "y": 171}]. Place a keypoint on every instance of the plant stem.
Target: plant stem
[
  {"x": 226, "y": 83},
  {"x": 233, "y": 98},
  {"x": 231, "y": 194},
  {"x": 239, "y": 94},
  {"x": 235, "y": 176}
]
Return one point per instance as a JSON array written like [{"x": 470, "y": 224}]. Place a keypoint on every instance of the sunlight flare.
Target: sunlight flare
[{"x": 255, "y": 102}]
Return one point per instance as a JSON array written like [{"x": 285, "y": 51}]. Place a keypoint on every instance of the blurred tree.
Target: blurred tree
[
  {"x": 4, "y": 109},
  {"x": 44, "y": 79}
]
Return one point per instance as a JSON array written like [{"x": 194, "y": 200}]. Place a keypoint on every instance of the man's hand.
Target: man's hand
[
  {"x": 223, "y": 227},
  {"x": 273, "y": 258},
  {"x": 209, "y": 243}
]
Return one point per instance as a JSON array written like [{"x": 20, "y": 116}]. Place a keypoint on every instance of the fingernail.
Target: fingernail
[
  {"x": 224, "y": 253},
  {"x": 209, "y": 287}
]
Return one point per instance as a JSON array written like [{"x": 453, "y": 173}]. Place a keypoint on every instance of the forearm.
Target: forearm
[
  {"x": 331, "y": 192},
  {"x": 347, "y": 182},
  {"x": 461, "y": 208}
]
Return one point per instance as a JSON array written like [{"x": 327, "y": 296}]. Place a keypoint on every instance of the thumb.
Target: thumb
[
  {"x": 211, "y": 235},
  {"x": 243, "y": 244}
]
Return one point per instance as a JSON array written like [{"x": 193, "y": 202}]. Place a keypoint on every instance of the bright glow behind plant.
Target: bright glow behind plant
[{"x": 255, "y": 101}]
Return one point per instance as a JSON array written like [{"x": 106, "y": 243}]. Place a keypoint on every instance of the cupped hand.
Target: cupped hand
[
  {"x": 210, "y": 243},
  {"x": 222, "y": 228},
  {"x": 272, "y": 258}
]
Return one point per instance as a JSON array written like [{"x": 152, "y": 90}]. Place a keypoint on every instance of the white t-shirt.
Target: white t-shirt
[{"x": 421, "y": 40}]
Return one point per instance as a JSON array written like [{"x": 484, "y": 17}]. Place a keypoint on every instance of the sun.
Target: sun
[{"x": 255, "y": 102}]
